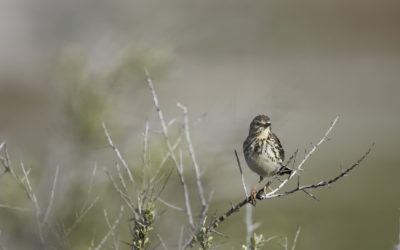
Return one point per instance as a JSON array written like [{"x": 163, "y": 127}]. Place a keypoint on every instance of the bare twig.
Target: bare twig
[
  {"x": 145, "y": 153},
  {"x": 180, "y": 239},
  {"x": 285, "y": 245},
  {"x": 194, "y": 160},
  {"x": 236, "y": 207},
  {"x": 80, "y": 216},
  {"x": 51, "y": 200},
  {"x": 164, "y": 179},
  {"x": 186, "y": 192},
  {"x": 89, "y": 191},
  {"x": 125, "y": 197},
  {"x": 161, "y": 118},
  {"x": 321, "y": 183},
  {"x": 178, "y": 165},
  {"x": 307, "y": 156},
  {"x": 170, "y": 205},
  {"x": 162, "y": 242},
  {"x": 35, "y": 202},
  {"x": 146, "y": 145},
  {"x": 22, "y": 209},
  {"x": 164, "y": 160},
  {"x": 241, "y": 174},
  {"x": 117, "y": 152},
  {"x": 305, "y": 191},
  {"x": 112, "y": 228},
  {"x": 295, "y": 238},
  {"x": 249, "y": 223},
  {"x": 121, "y": 179}
]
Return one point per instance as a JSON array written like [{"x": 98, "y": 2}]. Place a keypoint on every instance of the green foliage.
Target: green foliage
[
  {"x": 89, "y": 93},
  {"x": 205, "y": 239},
  {"x": 143, "y": 225},
  {"x": 255, "y": 243}
]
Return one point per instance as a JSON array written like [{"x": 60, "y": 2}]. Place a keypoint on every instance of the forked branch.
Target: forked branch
[{"x": 273, "y": 194}]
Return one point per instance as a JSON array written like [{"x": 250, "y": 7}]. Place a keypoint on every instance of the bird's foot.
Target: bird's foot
[{"x": 253, "y": 196}]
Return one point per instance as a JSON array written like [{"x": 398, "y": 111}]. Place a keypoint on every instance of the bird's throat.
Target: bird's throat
[{"x": 264, "y": 134}]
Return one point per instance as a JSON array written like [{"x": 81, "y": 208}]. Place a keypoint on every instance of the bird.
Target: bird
[{"x": 263, "y": 151}]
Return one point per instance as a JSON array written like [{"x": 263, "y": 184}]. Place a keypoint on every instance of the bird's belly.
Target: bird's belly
[{"x": 262, "y": 165}]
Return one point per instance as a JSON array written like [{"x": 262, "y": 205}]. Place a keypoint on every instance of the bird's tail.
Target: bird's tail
[{"x": 284, "y": 170}]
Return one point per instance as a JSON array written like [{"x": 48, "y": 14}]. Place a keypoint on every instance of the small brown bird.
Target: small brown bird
[{"x": 263, "y": 151}]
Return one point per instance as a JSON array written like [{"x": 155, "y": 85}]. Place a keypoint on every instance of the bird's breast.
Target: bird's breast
[{"x": 262, "y": 163}]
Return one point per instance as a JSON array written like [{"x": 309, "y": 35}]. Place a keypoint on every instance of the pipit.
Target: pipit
[{"x": 263, "y": 151}]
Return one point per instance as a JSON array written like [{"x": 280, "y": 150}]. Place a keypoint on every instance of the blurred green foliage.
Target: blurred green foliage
[{"x": 91, "y": 95}]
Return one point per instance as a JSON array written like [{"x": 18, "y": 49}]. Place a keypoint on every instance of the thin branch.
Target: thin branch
[
  {"x": 307, "y": 156},
  {"x": 145, "y": 154},
  {"x": 146, "y": 145},
  {"x": 117, "y": 152},
  {"x": 51, "y": 200},
  {"x": 305, "y": 191},
  {"x": 89, "y": 191},
  {"x": 26, "y": 175},
  {"x": 121, "y": 179},
  {"x": 164, "y": 160},
  {"x": 170, "y": 205},
  {"x": 123, "y": 196},
  {"x": 241, "y": 174},
  {"x": 34, "y": 200},
  {"x": 112, "y": 228},
  {"x": 285, "y": 245},
  {"x": 295, "y": 238},
  {"x": 249, "y": 223},
  {"x": 186, "y": 192},
  {"x": 178, "y": 165},
  {"x": 80, "y": 216},
  {"x": 164, "y": 184},
  {"x": 162, "y": 242},
  {"x": 161, "y": 118},
  {"x": 321, "y": 183},
  {"x": 180, "y": 239},
  {"x": 15, "y": 208},
  {"x": 216, "y": 222},
  {"x": 194, "y": 160}
]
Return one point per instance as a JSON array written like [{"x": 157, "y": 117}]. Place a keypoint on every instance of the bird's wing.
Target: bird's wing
[{"x": 279, "y": 149}]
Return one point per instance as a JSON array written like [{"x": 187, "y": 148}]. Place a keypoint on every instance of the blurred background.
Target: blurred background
[{"x": 65, "y": 66}]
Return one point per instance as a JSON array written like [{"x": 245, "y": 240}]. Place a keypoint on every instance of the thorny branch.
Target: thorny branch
[
  {"x": 178, "y": 164},
  {"x": 299, "y": 167},
  {"x": 321, "y": 183},
  {"x": 273, "y": 194},
  {"x": 241, "y": 174},
  {"x": 117, "y": 152},
  {"x": 111, "y": 229},
  {"x": 196, "y": 165}
]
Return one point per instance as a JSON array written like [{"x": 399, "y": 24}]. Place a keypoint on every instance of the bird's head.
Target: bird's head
[{"x": 260, "y": 124}]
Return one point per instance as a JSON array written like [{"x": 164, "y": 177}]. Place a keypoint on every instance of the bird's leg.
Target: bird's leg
[
  {"x": 254, "y": 192},
  {"x": 268, "y": 184}
]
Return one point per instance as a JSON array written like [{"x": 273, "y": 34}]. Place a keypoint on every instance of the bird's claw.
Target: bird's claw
[{"x": 253, "y": 197}]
